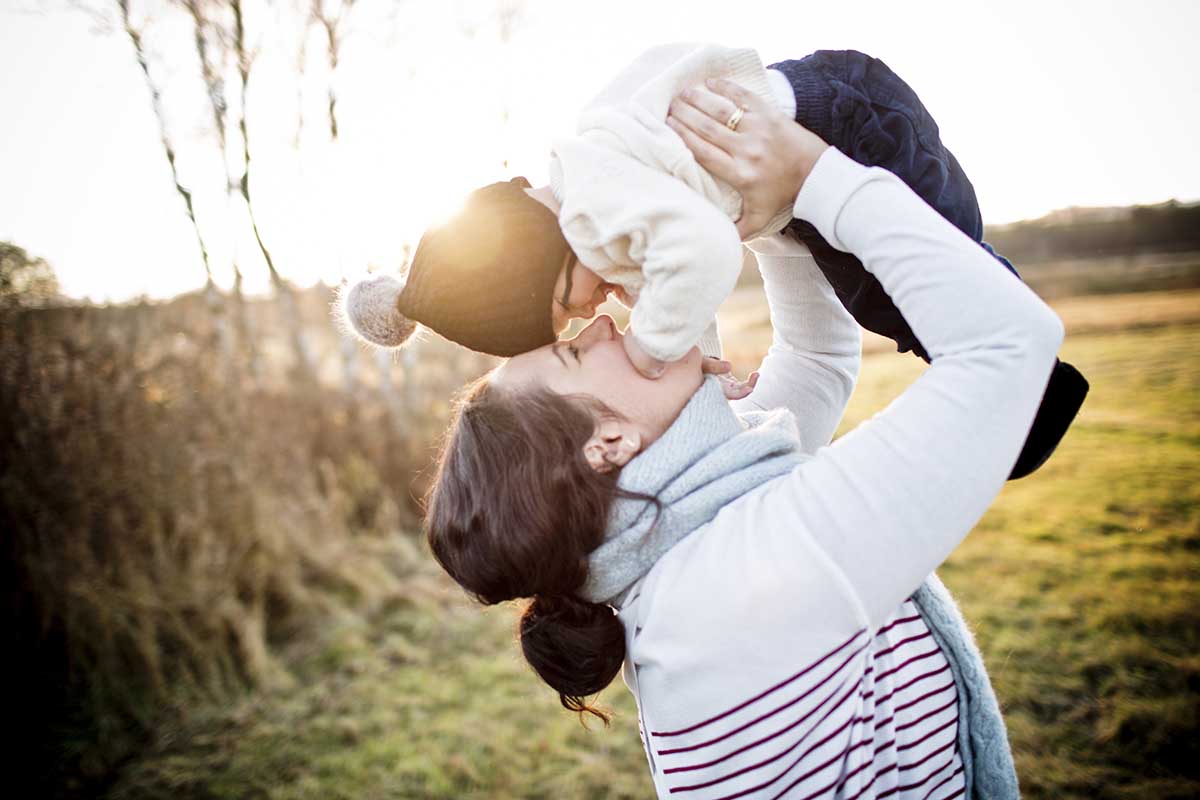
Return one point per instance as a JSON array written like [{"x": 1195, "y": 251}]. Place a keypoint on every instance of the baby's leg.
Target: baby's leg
[{"x": 858, "y": 105}]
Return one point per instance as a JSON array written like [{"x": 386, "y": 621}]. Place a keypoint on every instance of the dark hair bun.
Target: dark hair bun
[{"x": 575, "y": 646}]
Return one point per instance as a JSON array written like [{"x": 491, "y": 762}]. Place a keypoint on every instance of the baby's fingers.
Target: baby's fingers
[{"x": 733, "y": 389}]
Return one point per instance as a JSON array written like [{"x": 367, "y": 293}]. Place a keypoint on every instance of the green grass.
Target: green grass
[
  {"x": 434, "y": 702},
  {"x": 1080, "y": 582}
]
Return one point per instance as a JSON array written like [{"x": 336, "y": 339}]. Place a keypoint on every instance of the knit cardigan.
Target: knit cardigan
[{"x": 786, "y": 571}]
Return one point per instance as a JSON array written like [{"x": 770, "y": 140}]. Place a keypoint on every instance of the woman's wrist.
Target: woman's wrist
[
  {"x": 805, "y": 149},
  {"x": 830, "y": 181}
]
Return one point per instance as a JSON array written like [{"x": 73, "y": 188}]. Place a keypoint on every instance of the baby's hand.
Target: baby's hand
[
  {"x": 643, "y": 362},
  {"x": 735, "y": 389},
  {"x": 731, "y": 386}
]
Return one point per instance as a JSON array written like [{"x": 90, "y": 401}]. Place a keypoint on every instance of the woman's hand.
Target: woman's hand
[{"x": 767, "y": 158}]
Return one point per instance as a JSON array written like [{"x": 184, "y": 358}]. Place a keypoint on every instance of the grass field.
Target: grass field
[{"x": 1081, "y": 583}]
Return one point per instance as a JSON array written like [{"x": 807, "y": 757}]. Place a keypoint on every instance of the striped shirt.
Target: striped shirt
[{"x": 875, "y": 717}]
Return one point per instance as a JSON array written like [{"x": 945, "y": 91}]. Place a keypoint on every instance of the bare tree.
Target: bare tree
[
  {"x": 213, "y": 59},
  {"x": 332, "y": 17},
  {"x": 245, "y": 60},
  {"x": 135, "y": 37},
  {"x": 332, "y": 20}
]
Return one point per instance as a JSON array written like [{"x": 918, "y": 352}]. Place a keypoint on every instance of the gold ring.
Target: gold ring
[{"x": 733, "y": 121}]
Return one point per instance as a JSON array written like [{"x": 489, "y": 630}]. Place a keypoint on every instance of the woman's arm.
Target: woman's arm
[{"x": 892, "y": 498}]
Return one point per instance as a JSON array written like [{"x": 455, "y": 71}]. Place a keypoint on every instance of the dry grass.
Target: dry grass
[{"x": 173, "y": 520}]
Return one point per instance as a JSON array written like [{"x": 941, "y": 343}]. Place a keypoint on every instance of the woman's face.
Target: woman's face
[{"x": 594, "y": 363}]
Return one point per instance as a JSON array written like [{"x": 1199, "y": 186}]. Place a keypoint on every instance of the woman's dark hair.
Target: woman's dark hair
[{"x": 514, "y": 512}]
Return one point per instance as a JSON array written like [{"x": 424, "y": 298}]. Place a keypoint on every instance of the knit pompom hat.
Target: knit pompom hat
[{"x": 484, "y": 279}]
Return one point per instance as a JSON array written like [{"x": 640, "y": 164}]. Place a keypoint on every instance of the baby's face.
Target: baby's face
[{"x": 587, "y": 292}]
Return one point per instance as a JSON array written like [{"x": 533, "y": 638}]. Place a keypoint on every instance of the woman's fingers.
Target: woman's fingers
[
  {"x": 738, "y": 95},
  {"x": 702, "y": 122},
  {"x": 712, "y": 104},
  {"x": 708, "y": 155}
]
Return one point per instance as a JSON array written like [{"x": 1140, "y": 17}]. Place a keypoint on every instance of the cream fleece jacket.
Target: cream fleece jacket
[{"x": 641, "y": 212}]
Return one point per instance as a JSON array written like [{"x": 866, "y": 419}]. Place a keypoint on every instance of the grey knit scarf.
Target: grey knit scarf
[{"x": 709, "y": 457}]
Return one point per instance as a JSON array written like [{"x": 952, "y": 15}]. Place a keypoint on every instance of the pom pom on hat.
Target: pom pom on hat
[{"x": 368, "y": 308}]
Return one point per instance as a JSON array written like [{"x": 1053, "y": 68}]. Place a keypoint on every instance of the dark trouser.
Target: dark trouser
[{"x": 858, "y": 105}]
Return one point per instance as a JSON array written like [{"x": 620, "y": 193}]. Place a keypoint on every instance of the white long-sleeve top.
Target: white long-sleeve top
[{"x": 762, "y": 649}]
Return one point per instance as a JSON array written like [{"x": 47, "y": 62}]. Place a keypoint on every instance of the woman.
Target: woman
[{"x": 775, "y": 609}]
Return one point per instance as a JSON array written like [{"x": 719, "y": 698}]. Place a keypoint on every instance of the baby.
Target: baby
[{"x": 630, "y": 211}]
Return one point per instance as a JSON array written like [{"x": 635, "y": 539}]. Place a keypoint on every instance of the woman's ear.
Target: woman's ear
[{"x": 612, "y": 445}]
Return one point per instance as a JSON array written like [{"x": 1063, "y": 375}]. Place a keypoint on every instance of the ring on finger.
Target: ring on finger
[{"x": 735, "y": 118}]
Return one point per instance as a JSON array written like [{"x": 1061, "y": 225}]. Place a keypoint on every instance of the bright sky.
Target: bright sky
[{"x": 1046, "y": 103}]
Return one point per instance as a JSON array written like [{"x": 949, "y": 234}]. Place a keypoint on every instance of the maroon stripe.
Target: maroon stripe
[
  {"x": 776, "y": 734},
  {"x": 909, "y": 685},
  {"x": 817, "y": 769},
  {"x": 779, "y": 755},
  {"x": 926, "y": 696},
  {"x": 928, "y": 756},
  {"x": 904, "y": 664},
  {"x": 888, "y": 743},
  {"x": 896, "y": 622},
  {"x": 902, "y": 642},
  {"x": 949, "y": 778},
  {"x": 933, "y": 732},
  {"x": 921, "y": 677},
  {"x": 882, "y": 722},
  {"x": 927, "y": 778},
  {"x": 774, "y": 688},
  {"x": 956, "y": 794},
  {"x": 854, "y": 772},
  {"x": 840, "y": 782},
  {"x": 928, "y": 714},
  {"x": 771, "y": 713},
  {"x": 871, "y": 783}
]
